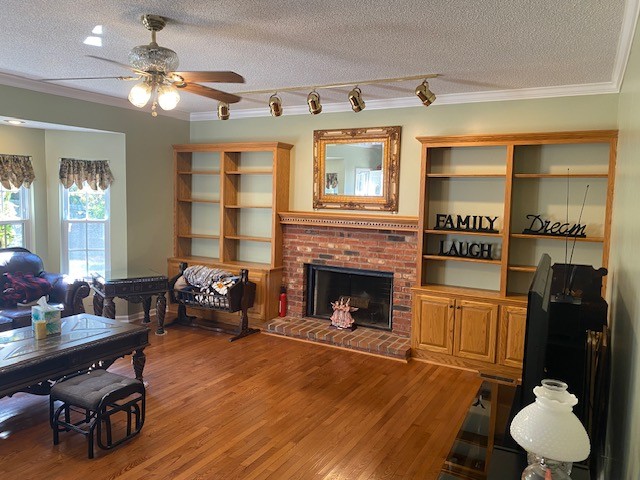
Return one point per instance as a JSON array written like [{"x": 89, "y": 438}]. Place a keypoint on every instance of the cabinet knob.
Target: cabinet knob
[
  {"x": 450, "y": 306},
  {"x": 458, "y": 307}
]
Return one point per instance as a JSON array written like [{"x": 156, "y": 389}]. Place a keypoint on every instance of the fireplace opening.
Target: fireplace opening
[{"x": 369, "y": 291}]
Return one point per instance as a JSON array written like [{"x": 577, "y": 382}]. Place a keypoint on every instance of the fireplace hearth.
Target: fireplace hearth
[{"x": 369, "y": 291}]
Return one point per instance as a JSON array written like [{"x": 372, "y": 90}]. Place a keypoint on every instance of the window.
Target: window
[
  {"x": 85, "y": 228},
  {"x": 14, "y": 217}
]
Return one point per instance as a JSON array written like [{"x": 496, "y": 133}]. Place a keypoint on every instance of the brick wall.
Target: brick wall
[{"x": 381, "y": 250}]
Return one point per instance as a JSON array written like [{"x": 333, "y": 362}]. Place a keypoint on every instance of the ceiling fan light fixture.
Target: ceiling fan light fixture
[
  {"x": 355, "y": 99},
  {"x": 223, "y": 111},
  {"x": 140, "y": 94},
  {"x": 313, "y": 100},
  {"x": 426, "y": 96},
  {"x": 275, "y": 105},
  {"x": 168, "y": 97},
  {"x": 153, "y": 58}
]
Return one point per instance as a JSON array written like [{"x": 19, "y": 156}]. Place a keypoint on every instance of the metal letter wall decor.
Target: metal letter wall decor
[
  {"x": 470, "y": 223},
  {"x": 540, "y": 226},
  {"x": 466, "y": 249}
]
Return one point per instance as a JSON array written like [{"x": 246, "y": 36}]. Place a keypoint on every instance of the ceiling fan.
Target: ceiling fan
[{"x": 156, "y": 67}]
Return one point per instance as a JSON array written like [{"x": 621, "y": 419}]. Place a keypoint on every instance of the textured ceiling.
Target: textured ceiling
[{"x": 484, "y": 46}]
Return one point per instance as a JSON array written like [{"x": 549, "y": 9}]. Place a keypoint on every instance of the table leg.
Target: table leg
[
  {"x": 146, "y": 305},
  {"x": 109, "y": 310},
  {"x": 139, "y": 359},
  {"x": 98, "y": 304},
  {"x": 161, "y": 308}
]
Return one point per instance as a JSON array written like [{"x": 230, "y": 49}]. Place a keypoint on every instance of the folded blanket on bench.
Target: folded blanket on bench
[{"x": 210, "y": 280}]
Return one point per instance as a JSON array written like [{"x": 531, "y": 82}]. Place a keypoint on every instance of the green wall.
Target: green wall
[
  {"x": 148, "y": 140},
  {"x": 556, "y": 114},
  {"x": 149, "y": 185},
  {"x": 623, "y": 437},
  {"x": 31, "y": 141}
]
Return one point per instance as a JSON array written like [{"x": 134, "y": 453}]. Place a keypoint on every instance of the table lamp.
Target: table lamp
[{"x": 549, "y": 430}]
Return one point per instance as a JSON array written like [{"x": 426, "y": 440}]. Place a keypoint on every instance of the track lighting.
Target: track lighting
[
  {"x": 422, "y": 91},
  {"x": 355, "y": 98},
  {"x": 275, "y": 105},
  {"x": 223, "y": 111},
  {"x": 313, "y": 100},
  {"x": 426, "y": 96}
]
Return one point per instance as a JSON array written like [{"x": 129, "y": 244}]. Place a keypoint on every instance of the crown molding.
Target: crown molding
[
  {"x": 451, "y": 99},
  {"x": 60, "y": 90},
  {"x": 629, "y": 22}
]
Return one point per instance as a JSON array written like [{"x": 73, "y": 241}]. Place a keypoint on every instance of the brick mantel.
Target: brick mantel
[
  {"x": 383, "y": 244},
  {"x": 351, "y": 220}
]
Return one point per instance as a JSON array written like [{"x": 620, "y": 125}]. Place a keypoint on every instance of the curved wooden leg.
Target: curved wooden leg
[
  {"x": 109, "y": 310},
  {"x": 98, "y": 304},
  {"x": 139, "y": 359},
  {"x": 161, "y": 308},
  {"x": 146, "y": 306}
]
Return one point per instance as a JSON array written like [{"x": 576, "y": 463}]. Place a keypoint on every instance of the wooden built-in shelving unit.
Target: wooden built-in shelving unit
[
  {"x": 227, "y": 198},
  {"x": 471, "y": 311}
]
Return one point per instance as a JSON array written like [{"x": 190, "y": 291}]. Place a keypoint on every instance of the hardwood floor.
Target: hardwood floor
[{"x": 263, "y": 407}]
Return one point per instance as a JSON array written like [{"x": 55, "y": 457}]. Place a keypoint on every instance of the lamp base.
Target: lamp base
[{"x": 545, "y": 469}]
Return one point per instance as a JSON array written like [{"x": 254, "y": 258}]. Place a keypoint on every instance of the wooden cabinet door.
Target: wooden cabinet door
[
  {"x": 433, "y": 324},
  {"x": 475, "y": 330},
  {"x": 513, "y": 321}
]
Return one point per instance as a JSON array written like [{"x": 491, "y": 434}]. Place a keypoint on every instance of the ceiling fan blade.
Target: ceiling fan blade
[
  {"x": 211, "y": 93},
  {"x": 139, "y": 72},
  {"x": 206, "y": 77},
  {"x": 87, "y": 78}
]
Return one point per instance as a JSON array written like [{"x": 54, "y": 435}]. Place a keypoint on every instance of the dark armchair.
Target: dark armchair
[{"x": 65, "y": 293}]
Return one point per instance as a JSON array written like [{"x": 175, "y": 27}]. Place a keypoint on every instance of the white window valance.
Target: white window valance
[
  {"x": 95, "y": 172},
  {"x": 16, "y": 171}
]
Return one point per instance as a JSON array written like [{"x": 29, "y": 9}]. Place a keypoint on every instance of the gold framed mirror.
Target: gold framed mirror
[{"x": 356, "y": 169}]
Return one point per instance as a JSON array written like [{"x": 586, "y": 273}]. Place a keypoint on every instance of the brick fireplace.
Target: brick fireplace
[{"x": 373, "y": 243}]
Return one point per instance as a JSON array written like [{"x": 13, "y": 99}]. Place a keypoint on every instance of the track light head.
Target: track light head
[
  {"x": 355, "y": 99},
  {"x": 223, "y": 111},
  {"x": 426, "y": 96},
  {"x": 313, "y": 100},
  {"x": 275, "y": 105}
]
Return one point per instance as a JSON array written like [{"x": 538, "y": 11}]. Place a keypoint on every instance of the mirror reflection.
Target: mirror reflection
[
  {"x": 357, "y": 168},
  {"x": 354, "y": 169}
]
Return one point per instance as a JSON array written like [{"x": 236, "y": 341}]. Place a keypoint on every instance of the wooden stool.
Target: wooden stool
[{"x": 97, "y": 394}]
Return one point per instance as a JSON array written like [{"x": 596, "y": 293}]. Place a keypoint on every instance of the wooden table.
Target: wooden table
[
  {"x": 136, "y": 286},
  {"x": 28, "y": 365}
]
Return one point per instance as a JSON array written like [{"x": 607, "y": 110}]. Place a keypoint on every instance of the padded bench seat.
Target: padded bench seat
[{"x": 99, "y": 394}]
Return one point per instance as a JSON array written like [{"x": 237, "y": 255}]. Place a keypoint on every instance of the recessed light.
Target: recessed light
[
  {"x": 15, "y": 122},
  {"x": 97, "y": 30},
  {"x": 94, "y": 41}
]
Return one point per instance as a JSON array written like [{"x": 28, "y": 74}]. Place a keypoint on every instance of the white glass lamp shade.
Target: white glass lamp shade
[
  {"x": 168, "y": 97},
  {"x": 549, "y": 428},
  {"x": 140, "y": 94}
]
